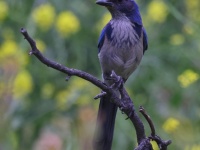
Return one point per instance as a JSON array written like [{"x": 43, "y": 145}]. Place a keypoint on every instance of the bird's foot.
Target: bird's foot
[{"x": 118, "y": 81}]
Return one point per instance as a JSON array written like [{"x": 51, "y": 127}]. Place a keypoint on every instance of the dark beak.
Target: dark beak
[{"x": 104, "y": 3}]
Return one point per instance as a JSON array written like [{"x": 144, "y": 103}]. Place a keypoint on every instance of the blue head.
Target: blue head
[{"x": 119, "y": 8}]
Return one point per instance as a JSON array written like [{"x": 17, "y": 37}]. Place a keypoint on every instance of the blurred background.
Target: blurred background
[{"x": 40, "y": 111}]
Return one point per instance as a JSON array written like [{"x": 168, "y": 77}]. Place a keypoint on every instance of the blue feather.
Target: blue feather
[
  {"x": 135, "y": 18},
  {"x": 138, "y": 29},
  {"x": 145, "y": 40},
  {"x": 107, "y": 31}
]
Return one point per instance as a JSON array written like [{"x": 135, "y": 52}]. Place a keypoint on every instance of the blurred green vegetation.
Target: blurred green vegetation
[{"x": 40, "y": 111}]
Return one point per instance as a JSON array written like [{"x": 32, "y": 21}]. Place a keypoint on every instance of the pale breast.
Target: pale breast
[
  {"x": 124, "y": 52},
  {"x": 123, "y": 34}
]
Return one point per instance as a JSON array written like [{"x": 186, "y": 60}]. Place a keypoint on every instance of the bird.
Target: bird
[{"x": 121, "y": 46}]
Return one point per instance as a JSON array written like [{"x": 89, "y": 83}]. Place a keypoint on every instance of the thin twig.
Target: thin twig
[
  {"x": 162, "y": 144},
  {"x": 59, "y": 67},
  {"x": 147, "y": 117}
]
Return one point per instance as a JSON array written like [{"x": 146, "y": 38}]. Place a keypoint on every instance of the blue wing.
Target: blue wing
[
  {"x": 145, "y": 40},
  {"x": 135, "y": 18},
  {"x": 107, "y": 30},
  {"x": 141, "y": 30},
  {"x": 101, "y": 39}
]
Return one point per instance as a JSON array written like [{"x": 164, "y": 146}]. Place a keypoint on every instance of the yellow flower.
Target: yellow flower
[
  {"x": 8, "y": 48},
  {"x": 40, "y": 45},
  {"x": 3, "y": 10},
  {"x": 67, "y": 23},
  {"x": 104, "y": 20},
  {"x": 23, "y": 84},
  {"x": 170, "y": 125},
  {"x": 44, "y": 16},
  {"x": 154, "y": 145},
  {"x": 177, "y": 39},
  {"x": 157, "y": 11},
  {"x": 11, "y": 53},
  {"x": 187, "y": 78}
]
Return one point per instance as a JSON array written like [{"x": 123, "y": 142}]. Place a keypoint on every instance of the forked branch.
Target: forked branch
[{"x": 125, "y": 103}]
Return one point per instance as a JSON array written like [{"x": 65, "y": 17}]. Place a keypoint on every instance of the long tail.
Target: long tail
[{"x": 105, "y": 125}]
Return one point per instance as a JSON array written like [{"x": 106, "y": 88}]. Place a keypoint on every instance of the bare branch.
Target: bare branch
[
  {"x": 162, "y": 144},
  {"x": 125, "y": 103},
  {"x": 59, "y": 67},
  {"x": 147, "y": 117},
  {"x": 129, "y": 109}
]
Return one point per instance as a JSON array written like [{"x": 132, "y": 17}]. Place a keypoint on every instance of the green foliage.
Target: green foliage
[{"x": 38, "y": 108}]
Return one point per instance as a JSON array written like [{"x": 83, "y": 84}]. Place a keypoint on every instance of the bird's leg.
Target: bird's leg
[
  {"x": 118, "y": 81},
  {"x": 112, "y": 79}
]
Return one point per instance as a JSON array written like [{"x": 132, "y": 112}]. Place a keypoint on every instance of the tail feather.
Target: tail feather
[{"x": 105, "y": 124}]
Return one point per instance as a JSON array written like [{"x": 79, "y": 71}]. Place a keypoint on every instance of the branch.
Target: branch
[
  {"x": 59, "y": 67},
  {"x": 161, "y": 143},
  {"x": 125, "y": 103},
  {"x": 147, "y": 117}
]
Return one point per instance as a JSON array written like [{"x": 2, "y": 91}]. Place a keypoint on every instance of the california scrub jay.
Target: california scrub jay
[{"x": 121, "y": 45}]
